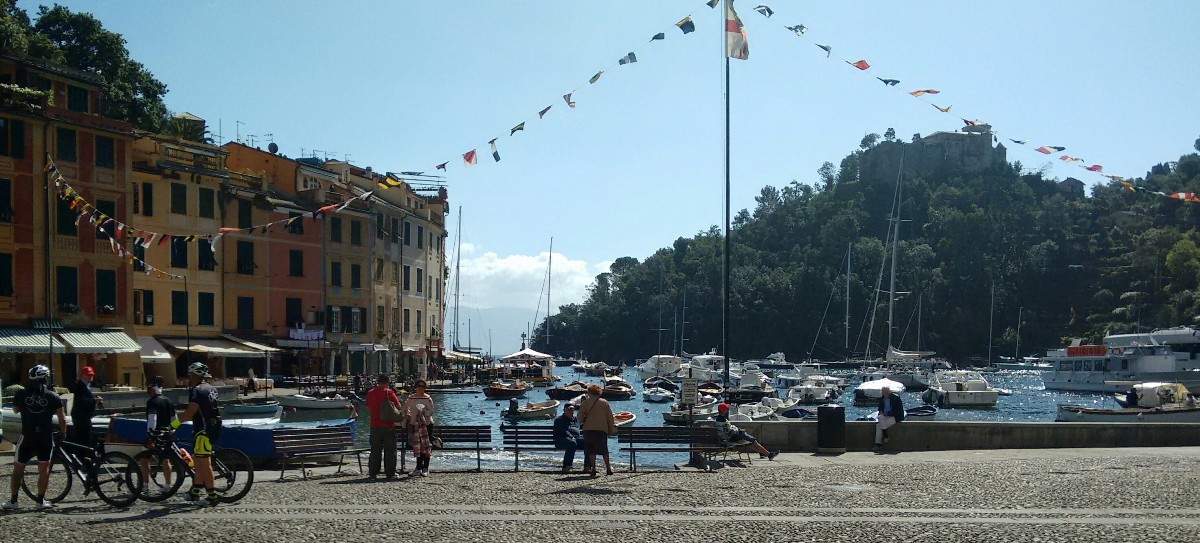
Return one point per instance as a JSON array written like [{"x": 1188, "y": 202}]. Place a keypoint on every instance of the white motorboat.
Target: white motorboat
[
  {"x": 533, "y": 410},
  {"x": 659, "y": 364},
  {"x": 1167, "y": 355},
  {"x": 960, "y": 388},
  {"x": 815, "y": 389},
  {"x": 869, "y": 392},
  {"x": 756, "y": 411},
  {"x": 780, "y": 405},
  {"x": 658, "y": 395},
  {"x": 914, "y": 379},
  {"x": 302, "y": 401},
  {"x": 698, "y": 413}
]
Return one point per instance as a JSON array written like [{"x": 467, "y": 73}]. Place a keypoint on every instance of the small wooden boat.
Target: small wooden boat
[
  {"x": 617, "y": 392},
  {"x": 502, "y": 390},
  {"x": 700, "y": 412},
  {"x": 658, "y": 395},
  {"x": 567, "y": 392},
  {"x": 921, "y": 411},
  {"x": 660, "y": 382},
  {"x": 261, "y": 408},
  {"x": 302, "y": 401},
  {"x": 533, "y": 410},
  {"x": 711, "y": 388},
  {"x": 624, "y": 417}
]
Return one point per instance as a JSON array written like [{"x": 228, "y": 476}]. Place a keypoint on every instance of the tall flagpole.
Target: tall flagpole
[{"x": 725, "y": 313}]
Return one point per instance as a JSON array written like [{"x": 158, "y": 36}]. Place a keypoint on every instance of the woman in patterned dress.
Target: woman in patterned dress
[{"x": 418, "y": 416}]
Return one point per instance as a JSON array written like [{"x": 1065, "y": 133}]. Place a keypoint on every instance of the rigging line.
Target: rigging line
[
  {"x": 888, "y": 239},
  {"x": 908, "y": 325},
  {"x": 832, "y": 292}
]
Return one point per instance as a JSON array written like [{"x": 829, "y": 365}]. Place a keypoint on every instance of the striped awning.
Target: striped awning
[
  {"x": 256, "y": 346},
  {"x": 153, "y": 352},
  {"x": 218, "y": 347},
  {"x": 98, "y": 341},
  {"x": 28, "y": 340}
]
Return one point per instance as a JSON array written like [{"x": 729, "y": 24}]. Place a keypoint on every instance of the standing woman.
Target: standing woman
[
  {"x": 597, "y": 420},
  {"x": 418, "y": 415}
]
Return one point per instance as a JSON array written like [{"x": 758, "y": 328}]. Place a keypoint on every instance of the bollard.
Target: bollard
[{"x": 831, "y": 429}]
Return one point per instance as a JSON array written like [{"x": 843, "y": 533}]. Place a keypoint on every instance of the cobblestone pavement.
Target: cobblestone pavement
[{"x": 1077, "y": 495}]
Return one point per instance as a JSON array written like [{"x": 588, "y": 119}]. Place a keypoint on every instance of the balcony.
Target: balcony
[{"x": 187, "y": 161}]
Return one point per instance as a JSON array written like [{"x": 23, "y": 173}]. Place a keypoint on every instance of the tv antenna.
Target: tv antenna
[
  {"x": 269, "y": 137},
  {"x": 238, "y": 127}
]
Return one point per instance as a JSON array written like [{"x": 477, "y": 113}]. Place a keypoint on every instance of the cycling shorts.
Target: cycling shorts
[
  {"x": 41, "y": 443},
  {"x": 202, "y": 445}
]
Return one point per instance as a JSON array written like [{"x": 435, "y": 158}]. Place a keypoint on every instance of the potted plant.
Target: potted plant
[{"x": 68, "y": 308}]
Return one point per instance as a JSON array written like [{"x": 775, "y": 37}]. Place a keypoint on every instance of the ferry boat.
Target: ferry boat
[{"x": 1168, "y": 355}]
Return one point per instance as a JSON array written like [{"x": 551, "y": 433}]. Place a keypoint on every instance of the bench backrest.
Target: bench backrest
[
  {"x": 462, "y": 434},
  {"x": 666, "y": 434},
  {"x": 306, "y": 440},
  {"x": 527, "y": 435}
]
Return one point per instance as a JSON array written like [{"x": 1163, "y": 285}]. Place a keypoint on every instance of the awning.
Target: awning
[
  {"x": 412, "y": 349},
  {"x": 153, "y": 352},
  {"x": 28, "y": 340},
  {"x": 219, "y": 347},
  {"x": 367, "y": 347},
  {"x": 99, "y": 341},
  {"x": 301, "y": 344},
  {"x": 256, "y": 346}
]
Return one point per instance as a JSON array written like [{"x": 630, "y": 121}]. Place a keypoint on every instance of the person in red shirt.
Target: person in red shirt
[{"x": 383, "y": 433}]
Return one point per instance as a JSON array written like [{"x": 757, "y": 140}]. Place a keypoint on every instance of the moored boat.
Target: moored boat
[
  {"x": 660, "y": 382},
  {"x": 1166, "y": 355},
  {"x": 869, "y": 392},
  {"x": 568, "y": 391},
  {"x": 533, "y": 410},
  {"x": 262, "y": 408},
  {"x": 504, "y": 390},
  {"x": 304, "y": 401},
  {"x": 658, "y": 395},
  {"x": 960, "y": 388},
  {"x": 624, "y": 417}
]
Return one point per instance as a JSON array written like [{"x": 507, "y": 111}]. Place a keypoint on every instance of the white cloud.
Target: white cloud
[{"x": 519, "y": 281}]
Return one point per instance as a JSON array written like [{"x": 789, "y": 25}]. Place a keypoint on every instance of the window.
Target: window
[
  {"x": 395, "y": 230},
  {"x": 207, "y": 203},
  {"x": 106, "y": 155},
  {"x": 106, "y": 292},
  {"x": 379, "y": 324},
  {"x": 109, "y": 209},
  {"x": 65, "y": 145},
  {"x": 335, "y": 319},
  {"x": 139, "y": 255},
  {"x": 335, "y": 274},
  {"x": 206, "y": 308},
  {"x": 206, "y": 260},
  {"x": 431, "y": 239},
  {"x": 179, "y": 307},
  {"x": 395, "y": 319},
  {"x": 143, "y": 307},
  {"x": 355, "y": 233},
  {"x": 295, "y": 224},
  {"x": 378, "y": 270},
  {"x": 12, "y": 138},
  {"x": 245, "y": 257},
  {"x": 395, "y": 273},
  {"x": 137, "y": 199},
  {"x": 335, "y": 229},
  {"x": 420, "y": 237},
  {"x": 147, "y": 200},
  {"x": 67, "y": 286},
  {"x": 65, "y": 220},
  {"x": 6, "y": 274},
  {"x": 6, "y": 210},
  {"x": 380, "y": 226},
  {"x": 293, "y": 312},
  {"x": 408, "y": 233},
  {"x": 420, "y": 281},
  {"x": 407, "y": 273},
  {"x": 296, "y": 263},
  {"x": 355, "y": 276},
  {"x": 179, "y": 252},
  {"x": 406, "y": 323},
  {"x": 77, "y": 99},
  {"x": 420, "y": 323},
  {"x": 179, "y": 198},
  {"x": 245, "y": 313},
  {"x": 245, "y": 219},
  {"x": 356, "y": 321}
]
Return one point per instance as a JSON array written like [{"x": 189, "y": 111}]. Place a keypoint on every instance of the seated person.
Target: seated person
[
  {"x": 737, "y": 436},
  {"x": 568, "y": 435}
]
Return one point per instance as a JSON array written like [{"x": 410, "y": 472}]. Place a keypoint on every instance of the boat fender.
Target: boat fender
[
  {"x": 497, "y": 404},
  {"x": 646, "y": 410},
  {"x": 480, "y": 411}
]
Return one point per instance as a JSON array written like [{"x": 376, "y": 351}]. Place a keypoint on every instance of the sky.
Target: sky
[{"x": 639, "y": 161}]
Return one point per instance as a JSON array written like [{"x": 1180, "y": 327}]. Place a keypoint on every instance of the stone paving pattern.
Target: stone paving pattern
[{"x": 1076, "y": 495}]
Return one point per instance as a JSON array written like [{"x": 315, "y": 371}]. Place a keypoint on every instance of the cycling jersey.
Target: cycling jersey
[
  {"x": 161, "y": 410},
  {"x": 38, "y": 406},
  {"x": 206, "y": 423}
]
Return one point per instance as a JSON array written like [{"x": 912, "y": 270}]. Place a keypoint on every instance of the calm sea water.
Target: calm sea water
[{"x": 1029, "y": 402}]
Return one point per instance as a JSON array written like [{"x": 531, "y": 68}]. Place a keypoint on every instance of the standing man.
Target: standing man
[
  {"x": 206, "y": 428},
  {"x": 891, "y": 411},
  {"x": 160, "y": 414},
  {"x": 383, "y": 432},
  {"x": 37, "y": 406},
  {"x": 83, "y": 407}
]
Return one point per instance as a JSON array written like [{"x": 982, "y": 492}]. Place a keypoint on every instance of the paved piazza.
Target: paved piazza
[{"x": 1076, "y": 495}]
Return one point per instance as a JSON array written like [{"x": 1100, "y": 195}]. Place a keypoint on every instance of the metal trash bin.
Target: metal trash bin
[{"x": 831, "y": 429}]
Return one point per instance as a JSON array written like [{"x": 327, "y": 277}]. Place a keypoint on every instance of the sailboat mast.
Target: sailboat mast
[
  {"x": 991, "y": 321},
  {"x": 725, "y": 315},
  {"x": 549, "y": 267},
  {"x": 895, "y": 253},
  {"x": 457, "y": 274},
  {"x": 849, "y": 247}
]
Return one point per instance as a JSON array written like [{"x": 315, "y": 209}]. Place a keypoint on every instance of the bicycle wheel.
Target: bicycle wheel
[
  {"x": 156, "y": 487},
  {"x": 56, "y": 488},
  {"x": 233, "y": 474},
  {"x": 118, "y": 480}
]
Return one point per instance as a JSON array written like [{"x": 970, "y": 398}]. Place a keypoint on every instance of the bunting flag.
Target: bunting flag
[
  {"x": 1068, "y": 158},
  {"x": 495, "y": 153},
  {"x": 596, "y": 77},
  {"x": 469, "y": 158},
  {"x": 889, "y": 82},
  {"x": 712, "y": 3},
  {"x": 923, "y": 92},
  {"x": 392, "y": 181},
  {"x": 1018, "y": 142},
  {"x": 828, "y": 49},
  {"x": 861, "y": 64},
  {"x": 442, "y": 166},
  {"x": 970, "y": 123},
  {"x": 567, "y": 98},
  {"x": 766, "y": 11},
  {"x": 736, "y": 45},
  {"x": 516, "y": 129},
  {"x": 659, "y": 36},
  {"x": 628, "y": 59},
  {"x": 943, "y": 109},
  {"x": 1047, "y": 150},
  {"x": 162, "y": 240},
  {"x": 686, "y": 25},
  {"x": 798, "y": 29},
  {"x": 1186, "y": 196},
  {"x": 542, "y": 113},
  {"x": 1094, "y": 168}
]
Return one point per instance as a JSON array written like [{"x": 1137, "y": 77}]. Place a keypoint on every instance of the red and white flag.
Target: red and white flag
[
  {"x": 735, "y": 34},
  {"x": 469, "y": 158},
  {"x": 567, "y": 97}
]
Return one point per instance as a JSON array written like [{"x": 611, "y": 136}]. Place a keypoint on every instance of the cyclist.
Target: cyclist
[
  {"x": 206, "y": 427},
  {"x": 37, "y": 406},
  {"x": 160, "y": 413}
]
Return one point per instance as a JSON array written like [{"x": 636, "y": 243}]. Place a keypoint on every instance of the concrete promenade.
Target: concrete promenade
[{"x": 1076, "y": 495}]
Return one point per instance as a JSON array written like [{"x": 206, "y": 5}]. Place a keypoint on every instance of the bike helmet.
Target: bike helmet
[
  {"x": 199, "y": 369},
  {"x": 39, "y": 372}
]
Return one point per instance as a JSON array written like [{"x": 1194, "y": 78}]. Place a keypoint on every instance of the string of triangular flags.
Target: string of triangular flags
[
  {"x": 471, "y": 158},
  {"x": 1184, "y": 196},
  {"x": 865, "y": 67}
]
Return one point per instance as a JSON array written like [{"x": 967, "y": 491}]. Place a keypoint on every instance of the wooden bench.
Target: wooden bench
[
  {"x": 476, "y": 438},
  {"x": 293, "y": 444},
  {"x": 701, "y": 440},
  {"x": 527, "y": 438}
]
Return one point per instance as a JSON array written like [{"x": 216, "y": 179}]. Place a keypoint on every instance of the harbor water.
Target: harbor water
[{"x": 1029, "y": 402}]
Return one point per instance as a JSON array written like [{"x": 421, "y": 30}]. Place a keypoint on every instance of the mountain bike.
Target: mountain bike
[
  {"x": 113, "y": 475},
  {"x": 233, "y": 473}
]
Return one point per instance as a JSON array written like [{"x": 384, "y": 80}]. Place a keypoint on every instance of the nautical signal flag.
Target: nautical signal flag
[
  {"x": 943, "y": 109},
  {"x": 1095, "y": 168},
  {"x": 495, "y": 153},
  {"x": 862, "y": 64},
  {"x": 798, "y": 29},
  {"x": 659, "y": 36},
  {"x": 712, "y": 3},
  {"x": 766, "y": 11},
  {"x": 515, "y": 129},
  {"x": 628, "y": 59},
  {"x": 567, "y": 97},
  {"x": 923, "y": 92},
  {"x": 1069, "y": 158},
  {"x": 736, "y": 45},
  {"x": 686, "y": 25},
  {"x": 1018, "y": 142},
  {"x": 542, "y": 113},
  {"x": 594, "y": 78},
  {"x": 1050, "y": 149},
  {"x": 828, "y": 49},
  {"x": 889, "y": 82},
  {"x": 469, "y": 158},
  {"x": 441, "y": 166}
]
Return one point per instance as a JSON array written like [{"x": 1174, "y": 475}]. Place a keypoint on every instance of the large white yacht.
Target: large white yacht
[{"x": 1169, "y": 355}]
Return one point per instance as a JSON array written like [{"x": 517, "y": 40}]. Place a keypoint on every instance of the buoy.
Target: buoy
[
  {"x": 645, "y": 409},
  {"x": 480, "y": 411},
  {"x": 497, "y": 404}
]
